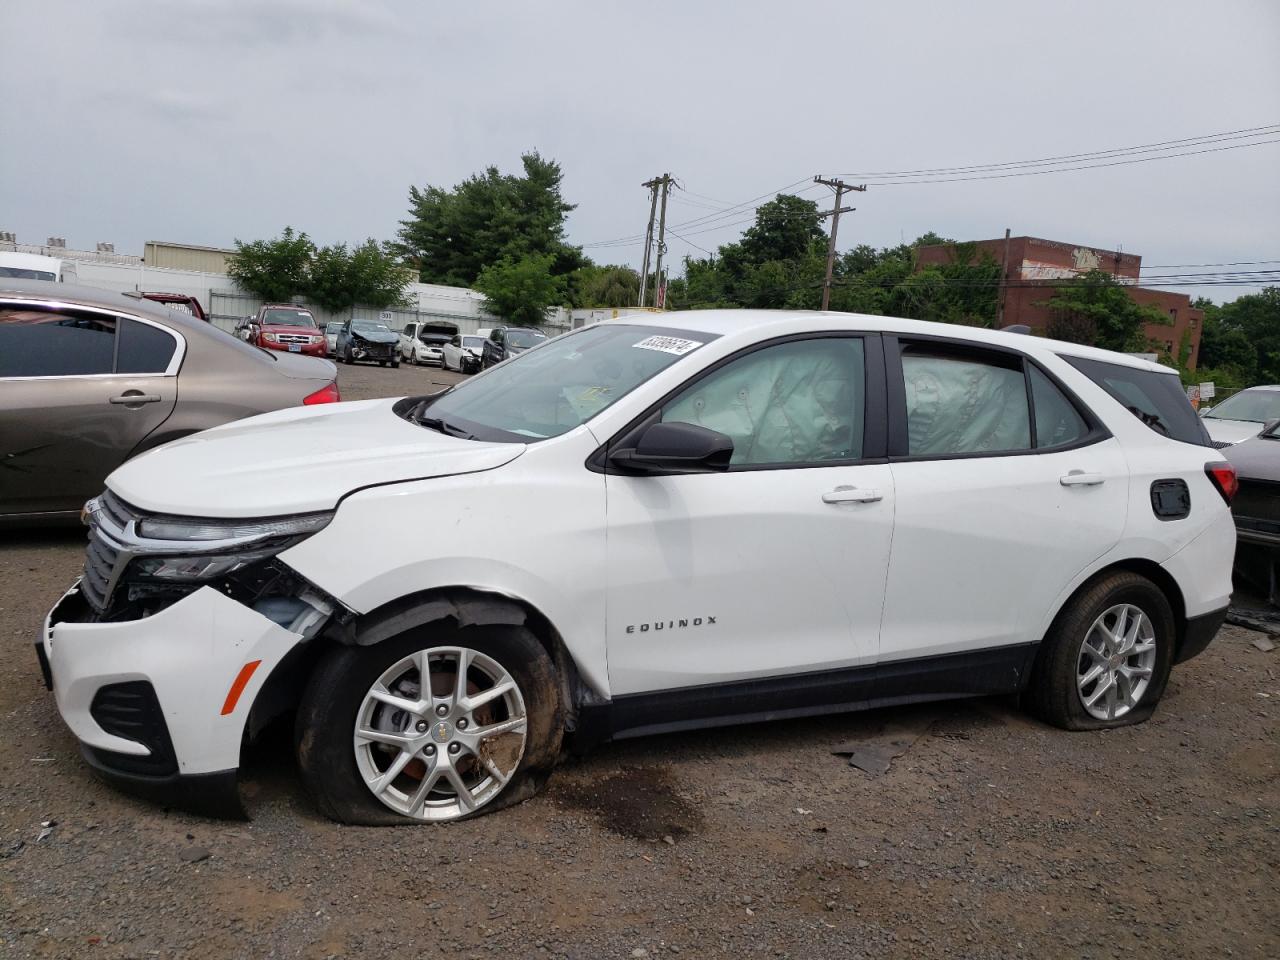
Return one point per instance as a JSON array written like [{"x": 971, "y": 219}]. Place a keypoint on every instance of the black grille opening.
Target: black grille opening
[{"x": 132, "y": 711}]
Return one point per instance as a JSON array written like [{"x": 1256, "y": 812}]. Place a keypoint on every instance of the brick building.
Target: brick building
[{"x": 1034, "y": 265}]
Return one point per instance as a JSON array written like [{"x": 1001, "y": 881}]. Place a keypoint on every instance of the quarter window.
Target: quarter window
[
  {"x": 1058, "y": 423},
  {"x": 801, "y": 402},
  {"x": 143, "y": 348},
  {"x": 1157, "y": 399},
  {"x": 962, "y": 403}
]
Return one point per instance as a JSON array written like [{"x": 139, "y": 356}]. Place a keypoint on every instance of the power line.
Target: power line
[
  {"x": 1245, "y": 133},
  {"x": 690, "y": 243}
]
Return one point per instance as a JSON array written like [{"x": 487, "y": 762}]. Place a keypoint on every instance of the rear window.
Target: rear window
[{"x": 1157, "y": 399}]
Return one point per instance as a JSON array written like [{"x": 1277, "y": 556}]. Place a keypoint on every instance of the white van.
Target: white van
[{"x": 32, "y": 266}]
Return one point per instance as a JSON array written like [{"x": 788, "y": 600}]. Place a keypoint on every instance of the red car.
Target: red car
[{"x": 284, "y": 326}]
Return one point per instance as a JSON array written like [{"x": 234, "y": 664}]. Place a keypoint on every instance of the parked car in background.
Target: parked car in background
[
  {"x": 653, "y": 523},
  {"x": 1256, "y": 509},
  {"x": 361, "y": 341},
  {"x": 504, "y": 342},
  {"x": 285, "y": 327},
  {"x": 90, "y": 378},
  {"x": 1242, "y": 415},
  {"x": 421, "y": 342},
  {"x": 331, "y": 337},
  {"x": 174, "y": 301},
  {"x": 463, "y": 353},
  {"x": 33, "y": 266}
]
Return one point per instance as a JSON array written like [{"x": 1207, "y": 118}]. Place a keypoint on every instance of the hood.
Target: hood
[
  {"x": 287, "y": 328},
  {"x": 295, "y": 461},
  {"x": 1230, "y": 431},
  {"x": 375, "y": 336},
  {"x": 1255, "y": 459}
]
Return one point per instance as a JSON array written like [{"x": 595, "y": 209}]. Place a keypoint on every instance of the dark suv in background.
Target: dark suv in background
[{"x": 506, "y": 342}]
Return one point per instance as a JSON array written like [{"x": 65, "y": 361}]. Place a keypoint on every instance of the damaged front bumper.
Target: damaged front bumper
[{"x": 160, "y": 704}]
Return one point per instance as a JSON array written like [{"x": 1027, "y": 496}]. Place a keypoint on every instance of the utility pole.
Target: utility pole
[
  {"x": 840, "y": 187},
  {"x": 659, "y": 295},
  {"x": 648, "y": 236},
  {"x": 1004, "y": 276}
]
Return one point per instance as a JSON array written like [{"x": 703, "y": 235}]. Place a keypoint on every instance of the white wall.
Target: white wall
[{"x": 458, "y": 305}]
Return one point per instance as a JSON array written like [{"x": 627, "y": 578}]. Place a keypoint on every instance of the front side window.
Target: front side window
[
  {"x": 1157, "y": 399},
  {"x": 800, "y": 402},
  {"x": 41, "y": 343},
  {"x": 549, "y": 391},
  {"x": 964, "y": 403}
]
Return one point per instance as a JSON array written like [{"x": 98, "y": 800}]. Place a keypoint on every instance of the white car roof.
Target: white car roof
[
  {"x": 30, "y": 261},
  {"x": 724, "y": 322}
]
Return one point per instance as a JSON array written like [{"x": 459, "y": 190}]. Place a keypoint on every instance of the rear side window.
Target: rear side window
[
  {"x": 41, "y": 343},
  {"x": 963, "y": 403},
  {"x": 1157, "y": 399}
]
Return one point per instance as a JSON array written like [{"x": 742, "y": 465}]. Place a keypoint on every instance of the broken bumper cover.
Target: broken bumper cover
[{"x": 160, "y": 704}]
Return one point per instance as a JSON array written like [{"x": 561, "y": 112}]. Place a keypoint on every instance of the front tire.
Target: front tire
[
  {"x": 1105, "y": 661},
  {"x": 378, "y": 746}
]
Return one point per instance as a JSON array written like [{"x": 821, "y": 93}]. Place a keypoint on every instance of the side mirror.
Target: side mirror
[{"x": 676, "y": 448}]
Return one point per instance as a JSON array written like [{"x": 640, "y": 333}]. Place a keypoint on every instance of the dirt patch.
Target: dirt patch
[{"x": 638, "y": 802}]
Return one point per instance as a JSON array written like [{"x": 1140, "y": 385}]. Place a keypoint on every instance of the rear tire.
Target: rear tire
[
  {"x": 1105, "y": 661},
  {"x": 340, "y": 768}
]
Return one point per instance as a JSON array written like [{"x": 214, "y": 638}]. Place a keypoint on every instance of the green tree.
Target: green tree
[
  {"x": 1095, "y": 308},
  {"x": 275, "y": 270},
  {"x": 370, "y": 275},
  {"x": 521, "y": 291},
  {"x": 604, "y": 286},
  {"x": 453, "y": 235},
  {"x": 1256, "y": 317}
]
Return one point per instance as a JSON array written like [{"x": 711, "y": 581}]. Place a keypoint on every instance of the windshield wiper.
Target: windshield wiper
[{"x": 445, "y": 427}]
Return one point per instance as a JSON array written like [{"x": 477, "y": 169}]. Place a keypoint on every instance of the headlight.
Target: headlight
[
  {"x": 269, "y": 337},
  {"x": 192, "y": 550}
]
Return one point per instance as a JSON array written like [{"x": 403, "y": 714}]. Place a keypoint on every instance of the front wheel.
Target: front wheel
[
  {"x": 1105, "y": 661},
  {"x": 435, "y": 724},
  {"x": 395, "y": 364}
]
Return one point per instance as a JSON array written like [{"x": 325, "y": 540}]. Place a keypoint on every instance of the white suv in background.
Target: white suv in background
[{"x": 649, "y": 524}]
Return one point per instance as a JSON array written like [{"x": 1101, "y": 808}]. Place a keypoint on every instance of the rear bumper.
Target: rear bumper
[{"x": 1198, "y": 634}]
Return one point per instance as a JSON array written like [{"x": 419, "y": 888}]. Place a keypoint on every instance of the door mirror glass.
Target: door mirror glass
[{"x": 676, "y": 448}]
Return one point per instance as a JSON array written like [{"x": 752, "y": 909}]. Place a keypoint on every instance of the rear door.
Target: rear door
[
  {"x": 79, "y": 391},
  {"x": 1007, "y": 487}
]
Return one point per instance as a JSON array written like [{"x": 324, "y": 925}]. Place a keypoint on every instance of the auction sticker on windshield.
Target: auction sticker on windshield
[{"x": 668, "y": 345}]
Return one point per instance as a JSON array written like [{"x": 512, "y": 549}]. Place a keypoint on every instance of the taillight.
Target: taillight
[
  {"x": 329, "y": 394},
  {"x": 1223, "y": 476}
]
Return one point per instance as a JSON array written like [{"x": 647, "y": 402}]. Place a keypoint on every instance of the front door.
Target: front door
[
  {"x": 78, "y": 392},
  {"x": 776, "y": 567}
]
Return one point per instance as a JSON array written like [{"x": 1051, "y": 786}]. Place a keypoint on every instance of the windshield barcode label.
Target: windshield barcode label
[{"x": 668, "y": 345}]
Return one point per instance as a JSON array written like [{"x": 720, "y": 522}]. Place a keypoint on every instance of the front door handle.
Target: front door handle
[
  {"x": 845, "y": 494},
  {"x": 131, "y": 397},
  {"x": 1078, "y": 478}
]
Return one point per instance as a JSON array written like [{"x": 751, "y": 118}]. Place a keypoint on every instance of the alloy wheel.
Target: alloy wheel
[
  {"x": 1116, "y": 661},
  {"x": 440, "y": 733}
]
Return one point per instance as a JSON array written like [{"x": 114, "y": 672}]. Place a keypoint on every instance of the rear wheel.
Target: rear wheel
[
  {"x": 435, "y": 724},
  {"x": 1105, "y": 661}
]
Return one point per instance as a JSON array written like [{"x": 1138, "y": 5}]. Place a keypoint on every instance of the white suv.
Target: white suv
[{"x": 648, "y": 524}]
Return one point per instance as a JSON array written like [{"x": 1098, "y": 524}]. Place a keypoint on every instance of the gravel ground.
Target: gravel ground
[{"x": 991, "y": 836}]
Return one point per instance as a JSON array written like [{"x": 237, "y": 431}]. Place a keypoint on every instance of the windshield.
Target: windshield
[
  {"x": 524, "y": 339},
  {"x": 565, "y": 382},
  {"x": 474, "y": 343},
  {"x": 23, "y": 274},
  {"x": 288, "y": 318},
  {"x": 369, "y": 326},
  {"x": 1253, "y": 406}
]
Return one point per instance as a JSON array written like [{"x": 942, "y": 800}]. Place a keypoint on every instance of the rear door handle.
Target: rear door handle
[
  {"x": 136, "y": 397},
  {"x": 846, "y": 494},
  {"x": 1078, "y": 478}
]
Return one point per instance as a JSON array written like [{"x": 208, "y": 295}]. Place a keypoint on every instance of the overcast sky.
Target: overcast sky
[{"x": 211, "y": 120}]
